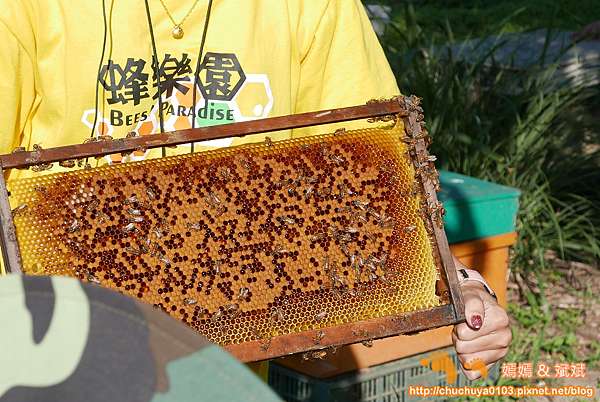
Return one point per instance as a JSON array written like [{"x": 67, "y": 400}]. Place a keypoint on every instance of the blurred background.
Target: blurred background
[{"x": 511, "y": 94}]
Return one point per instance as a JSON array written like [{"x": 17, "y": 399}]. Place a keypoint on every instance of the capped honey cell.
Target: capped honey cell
[{"x": 244, "y": 243}]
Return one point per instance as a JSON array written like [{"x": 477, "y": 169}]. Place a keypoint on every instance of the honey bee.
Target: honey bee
[
  {"x": 157, "y": 232},
  {"x": 383, "y": 260},
  {"x": 67, "y": 164},
  {"x": 308, "y": 192},
  {"x": 130, "y": 227},
  {"x": 317, "y": 237},
  {"x": 318, "y": 337},
  {"x": 268, "y": 142},
  {"x": 92, "y": 205},
  {"x": 233, "y": 309},
  {"x": 315, "y": 355},
  {"x": 74, "y": 226},
  {"x": 246, "y": 164},
  {"x": 18, "y": 210},
  {"x": 343, "y": 237},
  {"x": 131, "y": 200},
  {"x": 277, "y": 315},
  {"x": 19, "y": 149},
  {"x": 286, "y": 220},
  {"x": 217, "y": 266},
  {"x": 344, "y": 190},
  {"x": 326, "y": 266},
  {"x": 91, "y": 278},
  {"x": 41, "y": 189},
  {"x": 266, "y": 344},
  {"x": 41, "y": 167},
  {"x": 368, "y": 343},
  {"x": 320, "y": 317},
  {"x": 279, "y": 249},
  {"x": 163, "y": 258},
  {"x": 133, "y": 251},
  {"x": 216, "y": 316},
  {"x": 345, "y": 250},
  {"x": 337, "y": 280},
  {"x": 385, "y": 222},
  {"x": 151, "y": 194},
  {"x": 325, "y": 192},
  {"x": 360, "y": 205},
  {"x": 337, "y": 159},
  {"x": 410, "y": 229},
  {"x": 430, "y": 158},
  {"x": 134, "y": 212},
  {"x": 255, "y": 333},
  {"x": 213, "y": 200},
  {"x": 135, "y": 219},
  {"x": 145, "y": 246},
  {"x": 194, "y": 226},
  {"x": 356, "y": 264},
  {"x": 371, "y": 237},
  {"x": 226, "y": 173},
  {"x": 351, "y": 229},
  {"x": 243, "y": 293}
]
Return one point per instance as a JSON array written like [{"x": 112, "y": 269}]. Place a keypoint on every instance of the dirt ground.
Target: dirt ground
[{"x": 574, "y": 288}]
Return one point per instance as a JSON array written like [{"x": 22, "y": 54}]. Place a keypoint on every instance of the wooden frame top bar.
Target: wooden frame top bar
[{"x": 27, "y": 159}]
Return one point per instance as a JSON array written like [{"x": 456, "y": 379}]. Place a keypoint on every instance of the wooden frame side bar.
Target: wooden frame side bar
[
  {"x": 126, "y": 145},
  {"x": 11, "y": 253},
  {"x": 414, "y": 128}
]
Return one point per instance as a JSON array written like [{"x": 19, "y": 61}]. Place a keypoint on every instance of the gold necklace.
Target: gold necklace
[{"x": 177, "y": 31}]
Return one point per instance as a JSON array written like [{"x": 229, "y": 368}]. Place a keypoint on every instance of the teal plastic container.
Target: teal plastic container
[{"x": 476, "y": 208}]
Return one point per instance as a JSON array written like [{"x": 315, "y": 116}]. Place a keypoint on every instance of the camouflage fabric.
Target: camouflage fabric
[{"x": 61, "y": 340}]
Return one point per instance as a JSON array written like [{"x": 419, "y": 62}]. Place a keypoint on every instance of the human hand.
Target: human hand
[{"x": 486, "y": 335}]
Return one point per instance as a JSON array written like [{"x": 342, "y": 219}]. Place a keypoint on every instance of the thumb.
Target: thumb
[{"x": 474, "y": 309}]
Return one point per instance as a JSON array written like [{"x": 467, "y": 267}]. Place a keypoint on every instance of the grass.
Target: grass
[{"x": 542, "y": 139}]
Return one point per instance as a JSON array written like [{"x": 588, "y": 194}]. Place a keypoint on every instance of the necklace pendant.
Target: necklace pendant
[{"x": 177, "y": 32}]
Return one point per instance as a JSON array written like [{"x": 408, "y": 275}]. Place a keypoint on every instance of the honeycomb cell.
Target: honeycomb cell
[{"x": 244, "y": 243}]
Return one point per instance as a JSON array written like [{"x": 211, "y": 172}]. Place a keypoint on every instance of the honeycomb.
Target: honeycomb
[{"x": 244, "y": 243}]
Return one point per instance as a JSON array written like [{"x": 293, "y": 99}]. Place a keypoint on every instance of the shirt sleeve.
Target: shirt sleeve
[
  {"x": 17, "y": 90},
  {"x": 344, "y": 64}
]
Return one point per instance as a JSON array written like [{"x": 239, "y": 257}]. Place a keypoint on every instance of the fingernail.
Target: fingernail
[{"x": 476, "y": 321}]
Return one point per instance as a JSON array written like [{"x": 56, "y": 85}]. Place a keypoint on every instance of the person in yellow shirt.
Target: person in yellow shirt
[{"x": 72, "y": 70}]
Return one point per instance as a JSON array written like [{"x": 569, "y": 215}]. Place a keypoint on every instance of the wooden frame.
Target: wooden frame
[{"x": 405, "y": 108}]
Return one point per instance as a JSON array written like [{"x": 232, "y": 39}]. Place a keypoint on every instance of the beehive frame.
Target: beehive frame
[{"x": 312, "y": 341}]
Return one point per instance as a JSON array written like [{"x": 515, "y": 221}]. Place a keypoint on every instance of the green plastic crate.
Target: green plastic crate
[
  {"x": 387, "y": 382},
  {"x": 476, "y": 209}
]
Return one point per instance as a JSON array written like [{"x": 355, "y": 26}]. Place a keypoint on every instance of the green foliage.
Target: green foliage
[
  {"x": 484, "y": 17},
  {"x": 521, "y": 129}
]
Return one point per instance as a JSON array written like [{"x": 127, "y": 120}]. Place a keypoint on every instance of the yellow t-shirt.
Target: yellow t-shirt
[{"x": 262, "y": 58}]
